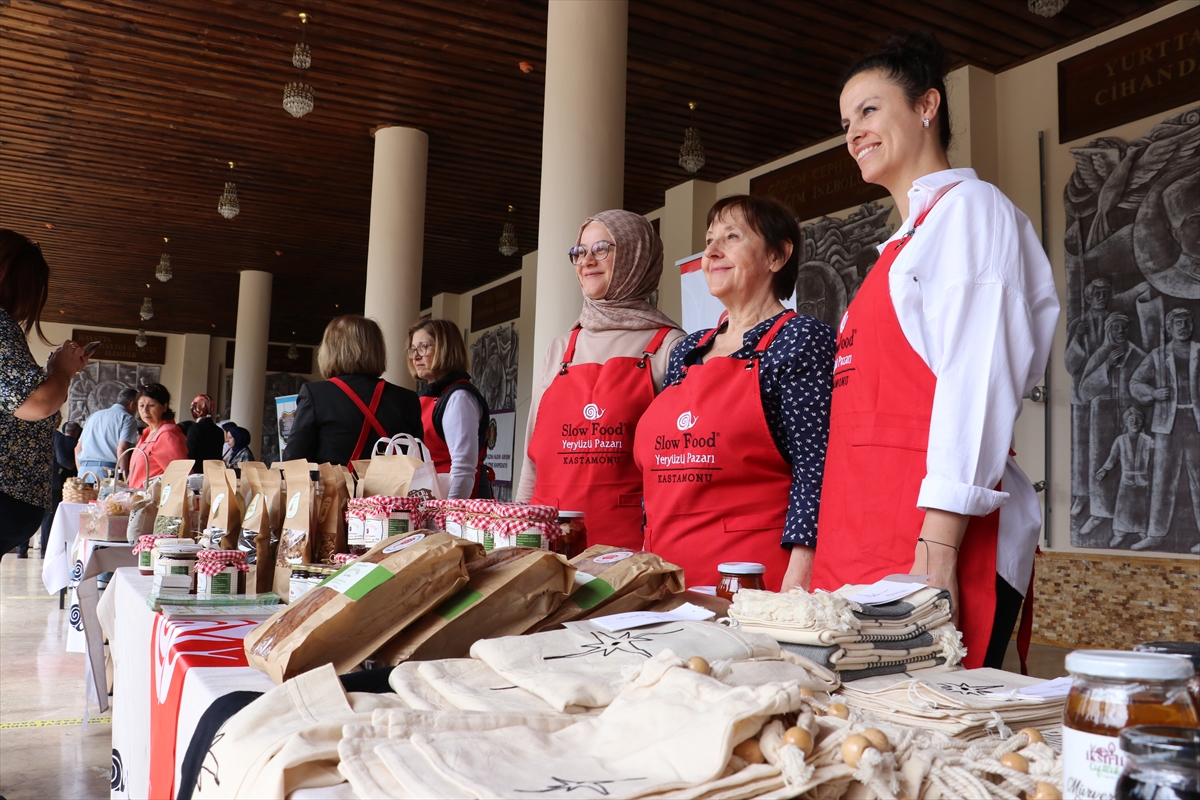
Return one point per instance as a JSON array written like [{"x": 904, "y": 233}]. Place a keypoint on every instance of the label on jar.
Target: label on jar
[
  {"x": 454, "y": 528},
  {"x": 398, "y": 523},
  {"x": 1091, "y": 765},
  {"x": 354, "y": 531},
  {"x": 372, "y": 530},
  {"x": 221, "y": 583}
]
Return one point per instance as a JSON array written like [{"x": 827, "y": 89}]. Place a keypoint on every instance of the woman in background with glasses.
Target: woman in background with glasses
[
  {"x": 162, "y": 442},
  {"x": 597, "y": 379},
  {"x": 453, "y": 412}
]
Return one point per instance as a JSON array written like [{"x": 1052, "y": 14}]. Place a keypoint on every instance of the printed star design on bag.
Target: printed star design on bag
[
  {"x": 606, "y": 644},
  {"x": 968, "y": 690},
  {"x": 564, "y": 785}
]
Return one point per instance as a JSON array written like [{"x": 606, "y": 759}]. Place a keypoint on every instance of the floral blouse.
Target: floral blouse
[{"x": 26, "y": 448}]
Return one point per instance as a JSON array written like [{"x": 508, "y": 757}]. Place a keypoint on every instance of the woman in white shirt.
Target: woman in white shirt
[
  {"x": 947, "y": 333},
  {"x": 454, "y": 413}
]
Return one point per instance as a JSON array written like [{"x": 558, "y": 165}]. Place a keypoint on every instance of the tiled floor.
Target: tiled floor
[{"x": 41, "y": 683}]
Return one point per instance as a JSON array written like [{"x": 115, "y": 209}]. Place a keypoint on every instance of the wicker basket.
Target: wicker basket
[{"x": 78, "y": 490}]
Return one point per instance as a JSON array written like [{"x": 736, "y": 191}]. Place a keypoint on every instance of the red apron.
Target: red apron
[
  {"x": 439, "y": 451},
  {"x": 369, "y": 419},
  {"x": 582, "y": 442},
  {"x": 876, "y": 460},
  {"x": 716, "y": 486}
]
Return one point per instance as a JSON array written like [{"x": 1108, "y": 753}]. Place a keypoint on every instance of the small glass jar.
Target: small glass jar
[
  {"x": 1161, "y": 763},
  {"x": 738, "y": 575},
  {"x": 574, "y": 534},
  {"x": 1190, "y": 650},
  {"x": 176, "y": 558},
  {"x": 1111, "y": 690},
  {"x": 220, "y": 572}
]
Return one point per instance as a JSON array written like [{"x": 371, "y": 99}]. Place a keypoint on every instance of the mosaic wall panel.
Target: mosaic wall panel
[{"x": 1103, "y": 601}]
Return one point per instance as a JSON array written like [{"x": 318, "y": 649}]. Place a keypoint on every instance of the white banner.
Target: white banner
[
  {"x": 500, "y": 445},
  {"x": 285, "y": 414},
  {"x": 700, "y": 309}
]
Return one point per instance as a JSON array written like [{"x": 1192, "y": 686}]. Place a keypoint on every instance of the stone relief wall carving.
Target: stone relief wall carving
[
  {"x": 1133, "y": 295},
  {"x": 97, "y": 387},
  {"x": 838, "y": 254},
  {"x": 494, "y": 371}
]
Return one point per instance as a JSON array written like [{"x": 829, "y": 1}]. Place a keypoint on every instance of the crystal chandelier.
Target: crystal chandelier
[
  {"x": 508, "y": 239},
  {"x": 147, "y": 311},
  {"x": 298, "y": 95},
  {"x": 691, "y": 154},
  {"x": 163, "y": 273},
  {"x": 228, "y": 206},
  {"x": 297, "y": 98},
  {"x": 140, "y": 341},
  {"x": 1047, "y": 8}
]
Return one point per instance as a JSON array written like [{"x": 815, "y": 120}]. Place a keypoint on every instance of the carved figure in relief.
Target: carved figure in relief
[
  {"x": 838, "y": 254},
  {"x": 1133, "y": 290},
  {"x": 1131, "y": 452}
]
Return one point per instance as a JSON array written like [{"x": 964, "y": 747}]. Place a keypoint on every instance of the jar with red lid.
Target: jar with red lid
[
  {"x": 574, "y": 534},
  {"x": 738, "y": 575}
]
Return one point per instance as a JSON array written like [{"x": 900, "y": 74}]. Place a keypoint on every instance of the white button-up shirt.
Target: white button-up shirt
[{"x": 975, "y": 297}]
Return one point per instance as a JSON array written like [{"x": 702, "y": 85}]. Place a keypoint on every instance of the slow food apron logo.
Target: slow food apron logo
[
  {"x": 593, "y": 412},
  {"x": 845, "y": 318},
  {"x": 687, "y": 420}
]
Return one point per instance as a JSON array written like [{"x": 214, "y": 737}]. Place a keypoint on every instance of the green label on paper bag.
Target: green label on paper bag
[
  {"x": 459, "y": 603},
  {"x": 592, "y": 593},
  {"x": 355, "y": 580}
]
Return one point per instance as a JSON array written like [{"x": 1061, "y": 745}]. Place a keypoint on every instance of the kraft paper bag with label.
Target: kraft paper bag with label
[
  {"x": 214, "y": 482},
  {"x": 614, "y": 580},
  {"x": 509, "y": 592},
  {"x": 362, "y": 606},
  {"x": 330, "y": 536},
  {"x": 355, "y": 478},
  {"x": 255, "y": 535},
  {"x": 225, "y": 511},
  {"x": 268, "y": 543},
  {"x": 296, "y": 538},
  {"x": 174, "y": 515},
  {"x": 400, "y": 475}
]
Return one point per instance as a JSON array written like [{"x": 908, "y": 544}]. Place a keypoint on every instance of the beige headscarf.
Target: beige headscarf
[{"x": 637, "y": 266}]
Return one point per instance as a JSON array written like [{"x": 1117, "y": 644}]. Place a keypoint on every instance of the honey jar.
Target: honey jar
[
  {"x": 1111, "y": 690},
  {"x": 738, "y": 575}
]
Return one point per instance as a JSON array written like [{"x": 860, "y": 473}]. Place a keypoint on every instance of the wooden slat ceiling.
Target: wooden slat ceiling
[{"x": 118, "y": 118}]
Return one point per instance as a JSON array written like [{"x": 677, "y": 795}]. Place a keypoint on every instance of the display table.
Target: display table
[
  {"x": 167, "y": 672},
  {"x": 56, "y": 569}
]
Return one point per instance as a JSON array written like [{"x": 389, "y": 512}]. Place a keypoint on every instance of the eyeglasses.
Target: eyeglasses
[
  {"x": 599, "y": 251},
  {"x": 421, "y": 350}
]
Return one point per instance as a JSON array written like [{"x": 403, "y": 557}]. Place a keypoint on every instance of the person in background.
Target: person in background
[
  {"x": 205, "y": 440},
  {"x": 226, "y": 428},
  {"x": 30, "y": 396},
  {"x": 453, "y": 412},
  {"x": 733, "y": 449},
  {"x": 162, "y": 442},
  {"x": 108, "y": 434},
  {"x": 948, "y": 332},
  {"x": 598, "y": 378},
  {"x": 237, "y": 439},
  {"x": 62, "y": 468},
  {"x": 338, "y": 420}
]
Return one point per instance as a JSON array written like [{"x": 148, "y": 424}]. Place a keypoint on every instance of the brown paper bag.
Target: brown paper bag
[
  {"x": 174, "y": 515},
  {"x": 255, "y": 536},
  {"x": 510, "y": 591},
  {"x": 363, "y": 605},
  {"x": 614, "y": 580},
  {"x": 330, "y": 535},
  {"x": 388, "y": 475},
  {"x": 295, "y": 538},
  {"x": 225, "y": 510},
  {"x": 214, "y": 484}
]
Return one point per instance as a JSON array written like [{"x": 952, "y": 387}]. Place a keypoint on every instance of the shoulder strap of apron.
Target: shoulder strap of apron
[
  {"x": 369, "y": 419},
  {"x": 654, "y": 345},
  {"x": 569, "y": 356},
  {"x": 768, "y": 337},
  {"x": 903, "y": 240}
]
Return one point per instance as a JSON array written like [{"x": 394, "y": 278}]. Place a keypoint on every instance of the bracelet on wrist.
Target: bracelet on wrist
[{"x": 934, "y": 541}]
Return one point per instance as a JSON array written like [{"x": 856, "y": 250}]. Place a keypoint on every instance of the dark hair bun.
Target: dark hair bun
[{"x": 916, "y": 62}]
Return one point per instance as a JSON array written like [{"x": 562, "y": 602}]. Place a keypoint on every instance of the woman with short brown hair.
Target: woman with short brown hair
[
  {"x": 30, "y": 396},
  {"x": 339, "y": 418},
  {"x": 453, "y": 412}
]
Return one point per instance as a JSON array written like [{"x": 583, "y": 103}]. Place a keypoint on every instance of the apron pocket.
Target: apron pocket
[
  {"x": 754, "y": 522},
  {"x": 633, "y": 499},
  {"x": 904, "y": 438}
]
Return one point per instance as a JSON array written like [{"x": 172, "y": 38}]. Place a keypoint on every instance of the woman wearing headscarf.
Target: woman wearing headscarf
[
  {"x": 205, "y": 440},
  {"x": 598, "y": 378},
  {"x": 238, "y": 439}
]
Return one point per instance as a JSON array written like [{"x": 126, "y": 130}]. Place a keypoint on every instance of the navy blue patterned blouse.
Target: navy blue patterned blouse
[{"x": 796, "y": 376}]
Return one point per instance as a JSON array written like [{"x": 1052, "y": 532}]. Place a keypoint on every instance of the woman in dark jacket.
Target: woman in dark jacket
[
  {"x": 205, "y": 441},
  {"x": 338, "y": 420}
]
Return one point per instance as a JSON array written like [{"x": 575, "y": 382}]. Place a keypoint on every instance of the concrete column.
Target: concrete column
[
  {"x": 583, "y": 146},
  {"x": 397, "y": 241},
  {"x": 250, "y": 365},
  {"x": 195, "y": 371},
  {"x": 682, "y": 225}
]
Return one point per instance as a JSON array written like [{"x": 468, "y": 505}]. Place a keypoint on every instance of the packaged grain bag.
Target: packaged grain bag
[
  {"x": 510, "y": 591},
  {"x": 362, "y": 606},
  {"x": 174, "y": 506},
  {"x": 613, "y": 580},
  {"x": 213, "y": 484},
  {"x": 295, "y": 538},
  {"x": 330, "y": 536}
]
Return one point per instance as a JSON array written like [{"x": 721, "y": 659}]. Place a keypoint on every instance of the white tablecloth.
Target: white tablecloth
[
  {"x": 145, "y": 658},
  {"x": 56, "y": 569}
]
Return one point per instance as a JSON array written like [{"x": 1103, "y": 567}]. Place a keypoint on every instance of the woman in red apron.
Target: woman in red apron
[
  {"x": 598, "y": 379},
  {"x": 453, "y": 412},
  {"x": 732, "y": 451},
  {"x": 949, "y": 330}
]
